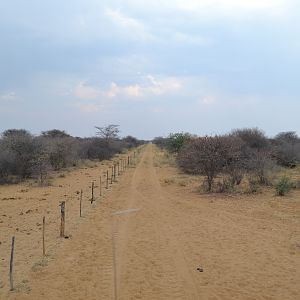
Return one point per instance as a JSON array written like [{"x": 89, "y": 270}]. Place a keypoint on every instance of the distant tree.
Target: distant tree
[
  {"x": 290, "y": 137},
  {"x": 108, "y": 133},
  {"x": 55, "y": 133},
  {"x": 95, "y": 148},
  {"x": 131, "y": 141},
  {"x": 253, "y": 138},
  {"x": 160, "y": 141},
  {"x": 176, "y": 141},
  {"x": 15, "y": 132}
]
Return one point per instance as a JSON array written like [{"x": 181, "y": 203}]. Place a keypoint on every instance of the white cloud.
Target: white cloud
[
  {"x": 84, "y": 91},
  {"x": 113, "y": 90},
  {"x": 122, "y": 20},
  {"x": 150, "y": 87},
  {"x": 209, "y": 9},
  {"x": 131, "y": 27},
  {"x": 233, "y": 8},
  {"x": 163, "y": 86},
  {"x": 133, "y": 90},
  {"x": 233, "y": 4}
]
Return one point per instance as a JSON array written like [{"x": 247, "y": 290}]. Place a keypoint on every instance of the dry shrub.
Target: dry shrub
[{"x": 209, "y": 156}]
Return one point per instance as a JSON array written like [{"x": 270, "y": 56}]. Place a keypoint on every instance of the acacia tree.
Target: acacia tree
[
  {"x": 108, "y": 133},
  {"x": 55, "y": 133},
  {"x": 209, "y": 156}
]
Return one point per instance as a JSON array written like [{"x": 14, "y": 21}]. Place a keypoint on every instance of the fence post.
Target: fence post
[
  {"x": 112, "y": 175},
  {"x": 92, "y": 199},
  {"x": 62, "y": 218},
  {"x": 11, "y": 264},
  {"x": 80, "y": 204},
  {"x": 44, "y": 248},
  {"x": 107, "y": 179},
  {"x": 100, "y": 186}
]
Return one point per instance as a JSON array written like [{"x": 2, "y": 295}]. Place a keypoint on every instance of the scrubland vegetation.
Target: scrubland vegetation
[
  {"x": 23, "y": 155},
  {"x": 244, "y": 155}
]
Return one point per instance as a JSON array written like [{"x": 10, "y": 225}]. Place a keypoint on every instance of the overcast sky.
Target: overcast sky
[{"x": 153, "y": 67}]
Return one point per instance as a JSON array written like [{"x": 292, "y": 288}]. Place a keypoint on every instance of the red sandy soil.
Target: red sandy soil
[{"x": 152, "y": 236}]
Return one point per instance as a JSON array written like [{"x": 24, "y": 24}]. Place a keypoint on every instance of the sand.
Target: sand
[{"x": 152, "y": 236}]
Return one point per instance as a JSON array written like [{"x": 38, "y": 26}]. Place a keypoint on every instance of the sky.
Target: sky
[{"x": 153, "y": 67}]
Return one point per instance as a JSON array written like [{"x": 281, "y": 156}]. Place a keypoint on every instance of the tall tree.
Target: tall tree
[{"x": 108, "y": 133}]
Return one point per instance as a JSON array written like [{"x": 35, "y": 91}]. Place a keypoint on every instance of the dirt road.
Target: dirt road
[{"x": 150, "y": 240}]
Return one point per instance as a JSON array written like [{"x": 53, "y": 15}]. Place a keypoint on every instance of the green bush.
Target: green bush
[
  {"x": 176, "y": 141},
  {"x": 283, "y": 186}
]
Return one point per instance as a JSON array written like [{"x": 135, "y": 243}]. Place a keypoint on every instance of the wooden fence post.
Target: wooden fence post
[
  {"x": 100, "y": 186},
  {"x": 92, "y": 199},
  {"x": 80, "y": 204},
  {"x": 112, "y": 175},
  {"x": 44, "y": 248},
  {"x": 107, "y": 179},
  {"x": 11, "y": 264},
  {"x": 115, "y": 172},
  {"x": 62, "y": 218}
]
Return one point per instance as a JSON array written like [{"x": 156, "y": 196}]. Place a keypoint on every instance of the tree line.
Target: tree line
[
  {"x": 234, "y": 155},
  {"x": 24, "y": 155}
]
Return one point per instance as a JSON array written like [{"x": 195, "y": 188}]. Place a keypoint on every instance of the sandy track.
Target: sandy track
[{"x": 245, "y": 254}]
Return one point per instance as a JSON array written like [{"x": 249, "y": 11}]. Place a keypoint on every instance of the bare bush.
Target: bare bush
[
  {"x": 61, "y": 151},
  {"x": 261, "y": 165},
  {"x": 256, "y": 153},
  {"x": 131, "y": 142},
  {"x": 253, "y": 138},
  {"x": 160, "y": 142},
  {"x": 41, "y": 167},
  {"x": 209, "y": 156},
  {"x": 20, "y": 149},
  {"x": 7, "y": 161},
  {"x": 287, "y": 149},
  {"x": 23, "y": 155}
]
